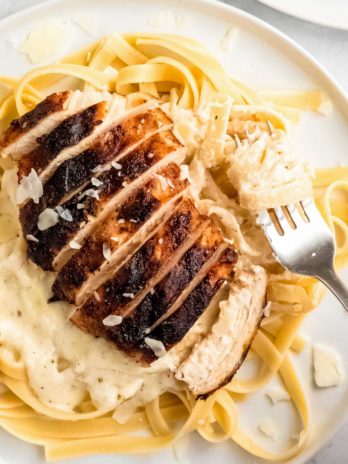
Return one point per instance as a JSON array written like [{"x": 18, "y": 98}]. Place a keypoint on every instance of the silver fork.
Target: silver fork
[{"x": 304, "y": 244}]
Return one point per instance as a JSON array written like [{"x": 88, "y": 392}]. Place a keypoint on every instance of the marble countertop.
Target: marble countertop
[{"x": 330, "y": 47}]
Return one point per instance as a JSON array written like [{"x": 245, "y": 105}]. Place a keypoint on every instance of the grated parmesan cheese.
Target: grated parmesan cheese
[
  {"x": 107, "y": 252},
  {"x": 74, "y": 245},
  {"x": 115, "y": 165},
  {"x": 30, "y": 187},
  {"x": 48, "y": 218},
  {"x": 93, "y": 193},
  {"x": 129, "y": 295},
  {"x": 112, "y": 320},
  {"x": 156, "y": 346},
  {"x": 64, "y": 213},
  {"x": 96, "y": 182},
  {"x": 31, "y": 238}
]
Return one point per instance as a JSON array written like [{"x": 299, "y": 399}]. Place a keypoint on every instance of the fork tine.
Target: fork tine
[
  {"x": 269, "y": 228},
  {"x": 282, "y": 219},
  {"x": 295, "y": 215}
]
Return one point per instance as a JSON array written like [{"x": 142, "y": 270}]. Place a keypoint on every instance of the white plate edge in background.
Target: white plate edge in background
[{"x": 303, "y": 12}]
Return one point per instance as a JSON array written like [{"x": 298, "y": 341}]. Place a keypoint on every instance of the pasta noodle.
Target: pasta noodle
[{"x": 182, "y": 73}]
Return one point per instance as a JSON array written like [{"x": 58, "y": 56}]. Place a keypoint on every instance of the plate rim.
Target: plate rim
[
  {"x": 303, "y": 17},
  {"x": 331, "y": 82}
]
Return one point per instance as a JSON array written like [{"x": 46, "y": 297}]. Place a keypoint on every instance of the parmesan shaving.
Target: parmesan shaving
[
  {"x": 30, "y": 187},
  {"x": 268, "y": 428},
  {"x": 44, "y": 41},
  {"x": 48, "y": 218},
  {"x": 328, "y": 370}
]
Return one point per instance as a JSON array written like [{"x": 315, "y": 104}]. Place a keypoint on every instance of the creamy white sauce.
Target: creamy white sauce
[{"x": 58, "y": 356}]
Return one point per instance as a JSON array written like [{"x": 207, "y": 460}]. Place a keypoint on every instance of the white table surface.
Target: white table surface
[{"x": 330, "y": 47}]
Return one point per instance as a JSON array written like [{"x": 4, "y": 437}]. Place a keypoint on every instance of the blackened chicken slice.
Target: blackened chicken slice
[
  {"x": 69, "y": 133},
  {"x": 53, "y": 248},
  {"x": 121, "y": 232},
  {"x": 21, "y": 136},
  {"x": 173, "y": 329},
  {"x": 159, "y": 301},
  {"x": 214, "y": 361},
  {"x": 76, "y": 172},
  {"x": 153, "y": 260}
]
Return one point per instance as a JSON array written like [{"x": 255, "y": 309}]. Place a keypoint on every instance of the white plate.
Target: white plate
[
  {"x": 264, "y": 59},
  {"x": 332, "y": 13}
]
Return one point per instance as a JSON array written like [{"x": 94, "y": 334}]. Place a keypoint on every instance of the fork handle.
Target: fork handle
[{"x": 331, "y": 280}]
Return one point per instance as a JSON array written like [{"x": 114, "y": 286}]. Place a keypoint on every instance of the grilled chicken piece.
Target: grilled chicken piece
[
  {"x": 75, "y": 173},
  {"x": 215, "y": 360},
  {"x": 170, "y": 292},
  {"x": 21, "y": 137},
  {"x": 173, "y": 329},
  {"x": 84, "y": 129},
  {"x": 143, "y": 270},
  {"x": 53, "y": 249},
  {"x": 122, "y": 231}
]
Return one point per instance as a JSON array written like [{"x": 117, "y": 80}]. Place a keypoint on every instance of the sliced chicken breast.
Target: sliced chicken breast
[
  {"x": 213, "y": 362},
  {"x": 173, "y": 329},
  {"x": 120, "y": 233},
  {"x": 83, "y": 129},
  {"x": 75, "y": 173},
  {"x": 21, "y": 137},
  {"x": 53, "y": 248},
  {"x": 120, "y": 294},
  {"x": 164, "y": 298}
]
